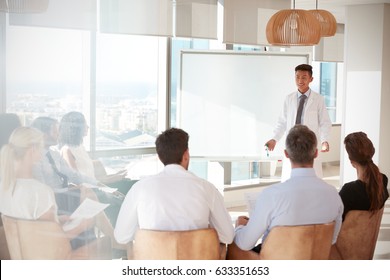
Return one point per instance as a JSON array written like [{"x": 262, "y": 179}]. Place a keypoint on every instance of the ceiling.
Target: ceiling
[{"x": 336, "y": 7}]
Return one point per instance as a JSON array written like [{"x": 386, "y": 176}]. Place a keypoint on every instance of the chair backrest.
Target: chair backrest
[
  {"x": 4, "y": 253},
  {"x": 29, "y": 239},
  {"x": 201, "y": 244},
  {"x": 304, "y": 242},
  {"x": 358, "y": 236}
]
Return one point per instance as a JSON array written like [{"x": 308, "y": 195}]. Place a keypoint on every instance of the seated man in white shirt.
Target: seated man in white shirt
[
  {"x": 174, "y": 199},
  {"x": 302, "y": 199}
]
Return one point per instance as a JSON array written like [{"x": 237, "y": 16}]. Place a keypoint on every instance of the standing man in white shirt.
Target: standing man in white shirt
[
  {"x": 314, "y": 115},
  {"x": 175, "y": 199}
]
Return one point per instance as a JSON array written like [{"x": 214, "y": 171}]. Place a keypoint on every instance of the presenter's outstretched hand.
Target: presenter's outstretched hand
[
  {"x": 270, "y": 144},
  {"x": 325, "y": 147}
]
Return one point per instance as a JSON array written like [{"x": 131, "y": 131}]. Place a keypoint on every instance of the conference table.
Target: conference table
[{"x": 266, "y": 164}]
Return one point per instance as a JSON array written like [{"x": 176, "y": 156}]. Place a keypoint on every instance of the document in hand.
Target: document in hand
[
  {"x": 87, "y": 209},
  {"x": 104, "y": 189}
]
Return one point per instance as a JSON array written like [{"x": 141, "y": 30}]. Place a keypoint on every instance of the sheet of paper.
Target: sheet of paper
[
  {"x": 88, "y": 209},
  {"x": 108, "y": 189},
  {"x": 104, "y": 189},
  {"x": 90, "y": 186}
]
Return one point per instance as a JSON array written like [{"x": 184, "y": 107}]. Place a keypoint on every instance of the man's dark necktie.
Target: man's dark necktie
[
  {"x": 300, "y": 109},
  {"x": 63, "y": 177}
]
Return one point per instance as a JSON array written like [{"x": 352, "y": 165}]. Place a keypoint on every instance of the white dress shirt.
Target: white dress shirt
[
  {"x": 302, "y": 199},
  {"x": 176, "y": 200}
]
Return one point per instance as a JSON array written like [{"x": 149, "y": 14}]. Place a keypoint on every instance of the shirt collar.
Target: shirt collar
[
  {"x": 307, "y": 93},
  {"x": 303, "y": 172},
  {"x": 174, "y": 166}
]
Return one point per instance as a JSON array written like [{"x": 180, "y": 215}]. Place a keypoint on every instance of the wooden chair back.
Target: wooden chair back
[
  {"x": 303, "y": 242},
  {"x": 201, "y": 244},
  {"x": 46, "y": 240},
  {"x": 4, "y": 253},
  {"x": 358, "y": 236},
  {"x": 29, "y": 239}
]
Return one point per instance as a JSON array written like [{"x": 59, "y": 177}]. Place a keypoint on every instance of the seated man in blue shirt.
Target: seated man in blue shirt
[
  {"x": 302, "y": 199},
  {"x": 67, "y": 183}
]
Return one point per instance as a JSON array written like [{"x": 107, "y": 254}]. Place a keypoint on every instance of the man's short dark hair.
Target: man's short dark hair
[
  {"x": 301, "y": 144},
  {"x": 305, "y": 67},
  {"x": 171, "y": 145}
]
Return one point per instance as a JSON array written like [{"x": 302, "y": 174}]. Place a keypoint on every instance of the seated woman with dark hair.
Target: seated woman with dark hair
[
  {"x": 72, "y": 130},
  {"x": 369, "y": 192}
]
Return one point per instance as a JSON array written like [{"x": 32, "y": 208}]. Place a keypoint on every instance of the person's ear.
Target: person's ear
[
  {"x": 186, "y": 155},
  {"x": 286, "y": 154},
  {"x": 185, "y": 159},
  {"x": 316, "y": 153}
]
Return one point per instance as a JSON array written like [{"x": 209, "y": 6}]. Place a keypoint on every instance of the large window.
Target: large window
[
  {"x": 127, "y": 95},
  {"x": 44, "y": 71},
  {"x": 117, "y": 81},
  {"x": 327, "y": 83}
]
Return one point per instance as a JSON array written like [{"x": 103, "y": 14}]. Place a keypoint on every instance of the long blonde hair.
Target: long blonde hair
[{"x": 20, "y": 141}]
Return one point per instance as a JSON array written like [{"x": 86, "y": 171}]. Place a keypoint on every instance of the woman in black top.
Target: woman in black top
[{"x": 369, "y": 192}]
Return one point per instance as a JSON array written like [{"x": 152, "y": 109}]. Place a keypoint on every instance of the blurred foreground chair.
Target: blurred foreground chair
[
  {"x": 201, "y": 244},
  {"x": 45, "y": 240},
  {"x": 304, "y": 242},
  {"x": 4, "y": 253},
  {"x": 358, "y": 236}
]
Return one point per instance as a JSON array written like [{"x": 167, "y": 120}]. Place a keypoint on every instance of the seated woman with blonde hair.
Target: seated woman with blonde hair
[
  {"x": 369, "y": 192},
  {"x": 22, "y": 196}
]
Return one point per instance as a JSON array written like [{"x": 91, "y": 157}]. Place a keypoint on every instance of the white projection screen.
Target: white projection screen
[{"x": 229, "y": 102}]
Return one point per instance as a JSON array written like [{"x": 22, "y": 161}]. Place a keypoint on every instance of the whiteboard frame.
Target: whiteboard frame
[{"x": 306, "y": 58}]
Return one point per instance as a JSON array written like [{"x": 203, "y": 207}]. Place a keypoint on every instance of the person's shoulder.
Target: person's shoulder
[
  {"x": 34, "y": 185},
  {"x": 291, "y": 95},
  {"x": 64, "y": 149},
  {"x": 274, "y": 188},
  {"x": 196, "y": 180},
  {"x": 55, "y": 153},
  {"x": 352, "y": 186},
  {"x": 385, "y": 179},
  {"x": 144, "y": 181},
  {"x": 39, "y": 184},
  {"x": 200, "y": 180},
  {"x": 353, "y": 183},
  {"x": 315, "y": 94}
]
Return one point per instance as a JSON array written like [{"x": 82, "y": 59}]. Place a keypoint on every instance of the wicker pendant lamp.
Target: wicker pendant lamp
[
  {"x": 327, "y": 21},
  {"x": 293, "y": 27}
]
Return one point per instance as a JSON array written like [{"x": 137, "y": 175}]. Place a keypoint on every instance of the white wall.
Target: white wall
[
  {"x": 333, "y": 156},
  {"x": 367, "y": 90}
]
